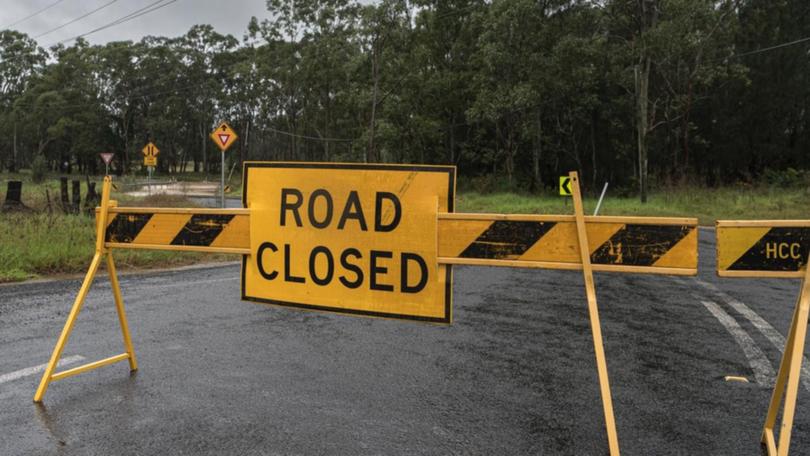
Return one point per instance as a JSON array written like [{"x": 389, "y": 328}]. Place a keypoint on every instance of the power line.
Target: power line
[
  {"x": 77, "y": 19},
  {"x": 126, "y": 18},
  {"x": 32, "y": 15},
  {"x": 295, "y": 135},
  {"x": 770, "y": 48}
]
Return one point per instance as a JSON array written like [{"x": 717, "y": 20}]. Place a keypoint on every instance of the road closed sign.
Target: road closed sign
[{"x": 350, "y": 238}]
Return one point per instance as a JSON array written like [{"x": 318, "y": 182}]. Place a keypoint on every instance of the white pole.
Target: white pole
[
  {"x": 599, "y": 204},
  {"x": 222, "y": 182}
]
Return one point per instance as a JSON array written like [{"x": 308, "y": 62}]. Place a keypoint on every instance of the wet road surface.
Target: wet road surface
[{"x": 514, "y": 374}]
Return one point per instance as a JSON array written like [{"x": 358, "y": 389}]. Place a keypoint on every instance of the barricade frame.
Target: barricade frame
[{"x": 103, "y": 249}]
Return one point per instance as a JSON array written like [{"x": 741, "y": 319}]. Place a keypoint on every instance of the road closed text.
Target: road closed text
[{"x": 352, "y": 267}]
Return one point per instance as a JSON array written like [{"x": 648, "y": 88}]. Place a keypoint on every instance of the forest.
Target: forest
[{"x": 639, "y": 93}]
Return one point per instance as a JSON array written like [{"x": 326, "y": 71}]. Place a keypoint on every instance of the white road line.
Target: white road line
[
  {"x": 763, "y": 371},
  {"x": 185, "y": 284},
  {"x": 770, "y": 333},
  {"x": 129, "y": 284},
  {"x": 37, "y": 369}
]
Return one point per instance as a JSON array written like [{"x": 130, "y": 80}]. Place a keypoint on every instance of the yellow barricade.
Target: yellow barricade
[
  {"x": 379, "y": 240},
  {"x": 776, "y": 249}
]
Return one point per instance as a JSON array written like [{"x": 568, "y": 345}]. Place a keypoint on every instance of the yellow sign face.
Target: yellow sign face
[
  {"x": 351, "y": 238},
  {"x": 565, "y": 186},
  {"x": 627, "y": 244},
  {"x": 762, "y": 248},
  {"x": 223, "y": 136},
  {"x": 150, "y": 150},
  {"x": 150, "y": 160}
]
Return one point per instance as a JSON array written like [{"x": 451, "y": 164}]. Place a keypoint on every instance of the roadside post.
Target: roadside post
[
  {"x": 380, "y": 241},
  {"x": 774, "y": 249},
  {"x": 601, "y": 197},
  {"x": 224, "y": 137}
]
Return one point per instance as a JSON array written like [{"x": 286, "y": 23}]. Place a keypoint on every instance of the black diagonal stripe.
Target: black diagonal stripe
[
  {"x": 639, "y": 245},
  {"x": 202, "y": 229},
  {"x": 125, "y": 227},
  {"x": 506, "y": 239},
  {"x": 780, "y": 249}
]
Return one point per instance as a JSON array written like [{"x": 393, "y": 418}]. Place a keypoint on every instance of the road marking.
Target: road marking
[
  {"x": 770, "y": 333},
  {"x": 125, "y": 281},
  {"x": 37, "y": 369},
  {"x": 763, "y": 371},
  {"x": 186, "y": 284}
]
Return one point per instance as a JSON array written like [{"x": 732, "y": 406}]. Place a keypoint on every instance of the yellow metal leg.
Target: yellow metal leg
[
  {"x": 101, "y": 250},
  {"x": 74, "y": 312},
  {"x": 787, "y": 382},
  {"x": 779, "y": 388},
  {"x": 593, "y": 311},
  {"x": 122, "y": 317}
]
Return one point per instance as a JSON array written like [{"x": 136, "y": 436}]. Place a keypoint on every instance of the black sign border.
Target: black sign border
[{"x": 451, "y": 189}]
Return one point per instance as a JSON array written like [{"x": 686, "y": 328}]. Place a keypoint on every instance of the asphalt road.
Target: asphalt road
[{"x": 514, "y": 374}]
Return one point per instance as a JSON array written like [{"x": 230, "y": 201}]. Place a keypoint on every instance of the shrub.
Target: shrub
[
  {"x": 39, "y": 169},
  {"x": 788, "y": 178}
]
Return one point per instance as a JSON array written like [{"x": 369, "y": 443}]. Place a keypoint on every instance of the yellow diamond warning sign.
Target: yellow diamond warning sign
[
  {"x": 223, "y": 136},
  {"x": 358, "y": 239}
]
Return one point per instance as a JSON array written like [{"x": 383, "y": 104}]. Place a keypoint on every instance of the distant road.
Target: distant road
[
  {"x": 514, "y": 374},
  {"x": 215, "y": 201}
]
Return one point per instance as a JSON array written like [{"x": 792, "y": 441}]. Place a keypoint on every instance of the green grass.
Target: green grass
[
  {"x": 38, "y": 245},
  {"x": 45, "y": 243},
  {"x": 708, "y": 205}
]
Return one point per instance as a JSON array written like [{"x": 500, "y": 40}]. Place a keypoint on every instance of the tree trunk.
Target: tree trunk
[
  {"x": 125, "y": 159},
  {"x": 13, "y": 167},
  {"x": 686, "y": 128},
  {"x": 642, "y": 74},
  {"x": 204, "y": 153},
  {"x": 510, "y": 157},
  {"x": 245, "y": 149},
  {"x": 649, "y": 18},
  {"x": 371, "y": 152},
  {"x": 537, "y": 154},
  {"x": 451, "y": 152},
  {"x": 594, "y": 119}
]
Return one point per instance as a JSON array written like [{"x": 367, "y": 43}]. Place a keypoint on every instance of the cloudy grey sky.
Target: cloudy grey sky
[{"x": 228, "y": 16}]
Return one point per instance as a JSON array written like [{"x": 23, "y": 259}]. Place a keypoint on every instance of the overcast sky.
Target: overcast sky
[{"x": 229, "y": 16}]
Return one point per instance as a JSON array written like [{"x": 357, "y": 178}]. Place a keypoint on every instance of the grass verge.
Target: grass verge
[
  {"x": 47, "y": 242},
  {"x": 38, "y": 245},
  {"x": 708, "y": 205}
]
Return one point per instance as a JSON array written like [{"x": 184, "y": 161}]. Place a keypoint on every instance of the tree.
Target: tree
[{"x": 20, "y": 60}]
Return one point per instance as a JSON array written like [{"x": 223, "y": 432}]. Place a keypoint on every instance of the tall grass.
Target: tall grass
[
  {"x": 47, "y": 242},
  {"x": 708, "y": 205},
  {"x": 39, "y": 245}
]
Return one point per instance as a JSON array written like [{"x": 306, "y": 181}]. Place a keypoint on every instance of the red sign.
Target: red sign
[{"x": 107, "y": 157}]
